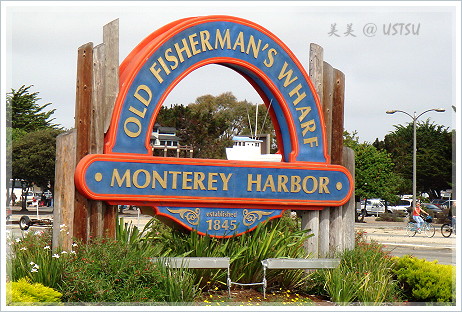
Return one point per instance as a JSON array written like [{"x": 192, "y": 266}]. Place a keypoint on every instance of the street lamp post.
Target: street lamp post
[{"x": 414, "y": 155}]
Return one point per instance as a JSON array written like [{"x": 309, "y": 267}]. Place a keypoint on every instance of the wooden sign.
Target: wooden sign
[{"x": 217, "y": 195}]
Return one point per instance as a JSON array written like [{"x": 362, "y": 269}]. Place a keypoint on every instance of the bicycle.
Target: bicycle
[
  {"x": 447, "y": 229},
  {"x": 427, "y": 227}
]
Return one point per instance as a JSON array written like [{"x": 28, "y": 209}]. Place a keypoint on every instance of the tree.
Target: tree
[
  {"x": 201, "y": 129},
  {"x": 374, "y": 176},
  {"x": 31, "y": 140},
  {"x": 23, "y": 111},
  {"x": 34, "y": 157},
  {"x": 209, "y": 123},
  {"x": 434, "y": 156}
]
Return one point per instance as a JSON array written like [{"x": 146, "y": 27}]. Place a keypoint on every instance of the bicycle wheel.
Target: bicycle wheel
[
  {"x": 446, "y": 230},
  {"x": 429, "y": 229},
  {"x": 411, "y": 229}
]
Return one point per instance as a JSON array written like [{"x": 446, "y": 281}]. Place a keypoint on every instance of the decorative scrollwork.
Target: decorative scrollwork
[
  {"x": 249, "y": 217},
  {"x": 191, "y": 216}
]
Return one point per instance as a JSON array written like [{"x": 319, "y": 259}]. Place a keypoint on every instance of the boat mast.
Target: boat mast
[{"x": 256, "y": 122}]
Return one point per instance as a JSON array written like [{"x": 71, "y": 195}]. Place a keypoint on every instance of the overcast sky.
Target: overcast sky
[{"x": 412, "y": 72}]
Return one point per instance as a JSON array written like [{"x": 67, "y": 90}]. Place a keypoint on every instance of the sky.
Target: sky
[{"x": 410, "y": 71}]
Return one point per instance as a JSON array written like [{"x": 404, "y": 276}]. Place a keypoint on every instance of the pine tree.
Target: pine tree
[{"x": 24, "y": 113}]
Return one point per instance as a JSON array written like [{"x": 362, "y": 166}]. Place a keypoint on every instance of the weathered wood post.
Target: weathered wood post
[
  {"x": 332, "y": 227},
  {"x": 83, "y": 125},
  {"x": 349, "y": 209},
  {"x": 63, "y": 212},
  {"x": 310, "y": 219},
  {"x": 336, "y": 213},
  {"x": 96, "y": 91},
  {"x": 111, "y": 89}
]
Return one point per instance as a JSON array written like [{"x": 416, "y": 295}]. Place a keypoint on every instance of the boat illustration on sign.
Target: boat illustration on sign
[{"x": 246, "y": 148}]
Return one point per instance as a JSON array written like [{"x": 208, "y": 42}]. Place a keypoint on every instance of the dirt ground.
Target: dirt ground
[{"x": 250, "y": 296}]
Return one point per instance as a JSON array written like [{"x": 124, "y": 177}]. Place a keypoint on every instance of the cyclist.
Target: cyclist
[{"x": 416, "y": 215}]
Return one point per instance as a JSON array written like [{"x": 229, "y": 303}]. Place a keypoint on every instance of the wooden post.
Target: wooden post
[
  {"x": 349, "y": 208},
  {"x": 96, "y": 90},
  {"x": 311, "y": 219},
  {"x": 111, "y": 81},
  {"x": 316, "y": 68},
  {"x": 325, "y": 226},
  {"x": 338, "y": 117},
  {"x": 63, "y": 207},
  {"x": 97, "y": 132},
  {"x": 329, "y": 225},
  {"x": 82, "y": 124},
  {"x": 336, "y": 218},
  {"x": 327, "y": 101},
  {"x": 111, "y": 89}
]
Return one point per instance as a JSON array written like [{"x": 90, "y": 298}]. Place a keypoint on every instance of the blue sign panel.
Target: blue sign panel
[
  {"x": 190, "y": 182},
  {"x": 219, "y": 222}
]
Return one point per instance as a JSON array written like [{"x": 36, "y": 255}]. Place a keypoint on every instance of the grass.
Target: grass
[{"x": 365, "y": 275}]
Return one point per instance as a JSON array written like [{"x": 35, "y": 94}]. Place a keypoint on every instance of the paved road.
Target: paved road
[
  {"x": 393, "y": 236},
  {"x": 390, "y": 234}
]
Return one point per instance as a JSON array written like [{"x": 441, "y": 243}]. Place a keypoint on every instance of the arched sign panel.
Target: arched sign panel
[{"x": 233, "y": 196}]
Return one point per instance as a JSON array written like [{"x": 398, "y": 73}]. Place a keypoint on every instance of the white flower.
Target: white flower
[
  {"x": 32, "y": 263},
  {"x": 47, "y": 247},
  {"x": 64, "y": 252},
  {"x": 55, "y": 256},
  {"x": 18, "y": 240},
  {"x": 73, "y": 252},
  {"x": 62, "y": 225},
  {"x": 36, "y": 266},
  {"x": 23, "y": 248},
  {"x": 74, "y": 245},
  {"x": 34, "y": 270}
]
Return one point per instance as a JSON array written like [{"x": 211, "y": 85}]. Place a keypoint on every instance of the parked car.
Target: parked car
[
  {"x": 437, "y": 211},
  {"x": 403, "y": 206},
  {"x": 373, "y": 207},
  {"x": 30, "y": 198},
  {"x": 33, "y": 198},
  {"x": 441, "y": 203},
  {"x": 432, "y": 207}
]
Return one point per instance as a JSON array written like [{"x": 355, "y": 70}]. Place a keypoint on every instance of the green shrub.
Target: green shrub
[
  {"x": 177, "y": 284},
  {"x": 31, "y": 257},
  {"x": 130, "y": 235},
  {"x": 113, "y": 271},
  {"x": 422, "y": 280},
  {"x": 24, "y": 293},
  {"x": 365, "y": 275},
  {"x": 390, "y": 217}
]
